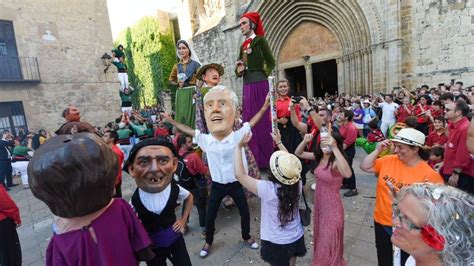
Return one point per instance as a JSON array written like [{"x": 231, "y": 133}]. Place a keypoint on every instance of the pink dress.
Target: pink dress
[{"x": 328, "y": 218}]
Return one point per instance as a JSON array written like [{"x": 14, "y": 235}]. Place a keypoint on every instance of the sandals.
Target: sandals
[{"x": 204, "y": 251}]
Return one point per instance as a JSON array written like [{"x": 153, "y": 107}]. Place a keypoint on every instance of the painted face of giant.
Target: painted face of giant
[
  {"x": 211, "y": 77},
  {"x": 245, "y": 26},
  {"x": 219, "y": 112},
  {"x": 153, "y": 168},
  {"x": 74, "y": 114},
  {"x": 183, "y": 50}
]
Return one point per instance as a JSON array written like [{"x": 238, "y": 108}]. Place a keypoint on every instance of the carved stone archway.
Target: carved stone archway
[{"x": 344, "y": 19}]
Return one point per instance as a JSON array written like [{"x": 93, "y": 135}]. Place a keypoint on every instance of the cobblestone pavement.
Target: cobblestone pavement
[{"x": 228, "y": 249}]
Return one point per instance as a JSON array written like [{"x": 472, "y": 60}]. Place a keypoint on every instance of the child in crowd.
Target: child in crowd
[
  {"x": 438, "y": 136},
  {"x": 375, "y": 136},
  {"x": 436, "y": 158}
]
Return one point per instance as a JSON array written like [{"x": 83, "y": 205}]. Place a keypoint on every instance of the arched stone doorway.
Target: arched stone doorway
[
  {"x": 307, "y": 58},
  {"x": 341, "y": 22}
]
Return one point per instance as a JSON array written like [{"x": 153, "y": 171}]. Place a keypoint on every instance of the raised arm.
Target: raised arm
[
  {"x": 368, "y": 163},
  {"x": 318, "y": 121},
  {"x": 301, "y": 147},
  {"x": 187, "y": 130},
  {"x": 340, "y": 162},
  {"x": 256, "y": 118},
  {"x": 244, "y": 179},
  {"x": 407, "y": 92},
  {"x": 302, "y": 127},
  {"x": 276, "y": 136}
]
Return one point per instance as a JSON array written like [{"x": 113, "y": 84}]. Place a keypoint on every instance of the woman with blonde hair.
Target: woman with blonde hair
[{"x": 434, "y": 224}]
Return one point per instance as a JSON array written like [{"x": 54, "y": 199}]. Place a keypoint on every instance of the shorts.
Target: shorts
[
  {"x": 280, "y": 254},
  {"x": 359, "y": 126}
]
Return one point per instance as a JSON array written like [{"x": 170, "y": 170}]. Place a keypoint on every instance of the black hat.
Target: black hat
[{"x": 148, "y": 142}]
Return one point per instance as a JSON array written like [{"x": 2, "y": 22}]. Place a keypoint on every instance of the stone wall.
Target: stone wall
[
  {"x": 383, "y": 43},
  {"x": 69, "y": 62},
  {"x": 438, "y": 40}
]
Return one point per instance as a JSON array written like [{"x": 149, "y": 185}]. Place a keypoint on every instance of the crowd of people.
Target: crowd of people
[{"x": 419, "y": 146}]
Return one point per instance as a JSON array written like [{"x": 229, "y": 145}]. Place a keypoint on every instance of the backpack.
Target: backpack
[{"x": 185, "y": 178}]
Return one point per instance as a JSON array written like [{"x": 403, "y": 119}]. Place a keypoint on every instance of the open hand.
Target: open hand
[
  {"x": 383, "y": 145},
  {"x": 308, "y": 138},
  {"x": 245, "y": 140},
  {"x": 276, "y": 136},
  {"x": 304, "y": 103},
  {"x": 178, "y": 226},
  {"x": 328, "y": 141}
]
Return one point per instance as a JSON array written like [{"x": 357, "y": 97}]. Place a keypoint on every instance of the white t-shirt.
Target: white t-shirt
[
  {"x": 220, "y": 154},
  {"x": 156, "y": 202},
  {"x": 410, "y": 261},
  {"x": 270, "y": 229},
  {"x": 388, "y": 111}
]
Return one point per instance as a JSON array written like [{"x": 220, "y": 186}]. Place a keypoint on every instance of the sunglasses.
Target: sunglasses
[{"x": 404, "y": 221}]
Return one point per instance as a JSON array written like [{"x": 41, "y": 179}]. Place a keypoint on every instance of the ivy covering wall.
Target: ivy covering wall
[{"x": 150, "y": 56}]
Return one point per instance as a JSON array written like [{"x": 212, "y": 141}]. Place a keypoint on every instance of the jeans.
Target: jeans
[
  {"x": 6, "y": 173},
  {"x": 218, "y": 192},
  {"x": 200, "y": 199},
  {"x": 384, "y": 245},
  {"x": 350, "y": 182}
]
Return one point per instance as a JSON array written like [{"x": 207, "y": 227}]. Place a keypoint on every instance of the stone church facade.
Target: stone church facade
[
  {"x": 353, "y": 46},
  {"x": 50, "y": 57}
]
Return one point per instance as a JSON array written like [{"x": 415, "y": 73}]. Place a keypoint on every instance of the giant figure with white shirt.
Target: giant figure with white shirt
[{"x": 220, "y": 111}]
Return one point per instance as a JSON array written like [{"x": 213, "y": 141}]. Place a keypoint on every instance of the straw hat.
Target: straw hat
[
  {"x": 410, "y": 136},
  {"x": 286, "y": 167}
]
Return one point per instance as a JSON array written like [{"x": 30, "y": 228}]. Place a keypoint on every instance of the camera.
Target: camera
[{"x": 296, "y": 99}]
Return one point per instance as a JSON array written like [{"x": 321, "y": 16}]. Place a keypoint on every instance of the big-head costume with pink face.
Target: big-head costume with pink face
[
  {"x": 73, "y": 174},
  {"x": 152, "y": 163},
  {"x": 220, "y": 106}
]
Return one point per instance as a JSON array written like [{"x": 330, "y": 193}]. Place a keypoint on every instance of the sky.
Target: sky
[{"x": 124, "y": 13}]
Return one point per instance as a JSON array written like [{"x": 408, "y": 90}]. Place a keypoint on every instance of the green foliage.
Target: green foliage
[{"x": 150, "y": 56}]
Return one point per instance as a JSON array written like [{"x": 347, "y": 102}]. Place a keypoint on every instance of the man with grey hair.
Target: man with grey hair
[{"x": 220, "y": 106}]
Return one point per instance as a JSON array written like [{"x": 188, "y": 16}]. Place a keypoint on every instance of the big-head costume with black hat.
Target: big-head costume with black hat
[
  {"x": 259, "y": 62},
  {"x": 157, "y": 197}
]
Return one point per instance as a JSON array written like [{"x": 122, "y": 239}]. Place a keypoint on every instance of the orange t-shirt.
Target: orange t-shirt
[{"x": 390, "y": 168}]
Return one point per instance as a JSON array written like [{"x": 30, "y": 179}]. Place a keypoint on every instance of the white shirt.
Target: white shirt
[
  {"x": 156, "y": 202},
  {"x": 270, "y": 226},
  {"x": 220, "y": 154},
  {"x": 410, "y": 261},
  {"x": 388, "y": 111}
]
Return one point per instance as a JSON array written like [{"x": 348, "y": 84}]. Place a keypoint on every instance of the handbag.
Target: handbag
[{"x": 305, "y": 214}]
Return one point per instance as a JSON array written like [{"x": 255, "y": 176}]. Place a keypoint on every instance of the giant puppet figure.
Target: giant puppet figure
[
  {"x": 255, "y": 64},
  {"x": 152, "y": 163},
  {"x": 74, "y": 175},
  {"x": 220, "y": 106}
]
